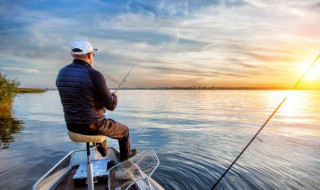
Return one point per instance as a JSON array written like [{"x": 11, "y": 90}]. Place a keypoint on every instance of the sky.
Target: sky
[{"x": 222, "y": 43}]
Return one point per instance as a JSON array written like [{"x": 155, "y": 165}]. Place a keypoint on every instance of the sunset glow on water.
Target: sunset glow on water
[{"x": 196, "y": 134}]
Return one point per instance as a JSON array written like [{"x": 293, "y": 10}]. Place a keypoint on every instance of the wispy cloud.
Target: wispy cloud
[{"x": 29, "y": 71}]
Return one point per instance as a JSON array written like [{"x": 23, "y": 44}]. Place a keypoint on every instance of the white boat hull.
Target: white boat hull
[{"x": 61, "y": 175}]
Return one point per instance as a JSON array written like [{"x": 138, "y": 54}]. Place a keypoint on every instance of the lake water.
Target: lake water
[{"x": 195, "y": 133}]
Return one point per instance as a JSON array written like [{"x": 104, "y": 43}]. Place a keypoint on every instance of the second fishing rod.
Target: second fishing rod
[{"x": 267, "y": 121}]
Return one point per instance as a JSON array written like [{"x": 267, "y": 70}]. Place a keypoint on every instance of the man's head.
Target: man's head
[{"x": 81, "y": 49}]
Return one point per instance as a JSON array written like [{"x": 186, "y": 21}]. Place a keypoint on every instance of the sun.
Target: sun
[{"x": 314, "y": 73}]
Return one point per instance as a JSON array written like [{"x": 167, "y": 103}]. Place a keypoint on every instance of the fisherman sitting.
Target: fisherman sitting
[{"x": 85, "y": 96}]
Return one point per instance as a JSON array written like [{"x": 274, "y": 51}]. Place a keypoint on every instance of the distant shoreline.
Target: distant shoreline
[
  {"x": 40, "y": 90},
  {"x": 30, "y": 90},
  {"x": 216, "y": 88}
]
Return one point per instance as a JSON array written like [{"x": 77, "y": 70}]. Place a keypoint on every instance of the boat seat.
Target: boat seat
[{"x": 76, "y": 137}]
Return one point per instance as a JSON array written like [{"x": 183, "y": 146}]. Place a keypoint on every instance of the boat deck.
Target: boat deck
[
  {"x": 61, "y": 175},
  {"x": 68, "y": 183}
]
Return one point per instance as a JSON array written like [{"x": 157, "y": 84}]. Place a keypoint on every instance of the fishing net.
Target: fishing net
[{"x": 135, "y": 170}]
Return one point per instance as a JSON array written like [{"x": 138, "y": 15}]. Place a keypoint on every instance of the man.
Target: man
[{"x": 85, "y": 95}]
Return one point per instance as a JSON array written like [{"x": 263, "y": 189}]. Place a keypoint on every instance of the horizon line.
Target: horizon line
[{"x": 196, "y": 88}]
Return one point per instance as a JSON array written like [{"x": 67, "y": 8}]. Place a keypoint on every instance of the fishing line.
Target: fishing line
[
  {"x": 110, "y": 78},
  {"x": 125, "y": 77},
  {"x": 266, "y": 122}
]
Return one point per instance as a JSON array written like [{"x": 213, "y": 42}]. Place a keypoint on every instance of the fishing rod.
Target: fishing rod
[
  {"x": 266, "y": 122},
  {"x": 125, "y": 77}
]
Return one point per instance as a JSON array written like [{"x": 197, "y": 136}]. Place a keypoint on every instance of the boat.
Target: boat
[{"x": 108, "y": 172}]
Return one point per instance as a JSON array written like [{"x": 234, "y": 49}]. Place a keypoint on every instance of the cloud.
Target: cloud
[
  {"x": 177, "y": 42},
  {"x": 29, "y": 71}
]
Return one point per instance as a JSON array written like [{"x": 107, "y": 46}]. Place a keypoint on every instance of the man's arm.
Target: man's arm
[{"x": 101, "y": 90}]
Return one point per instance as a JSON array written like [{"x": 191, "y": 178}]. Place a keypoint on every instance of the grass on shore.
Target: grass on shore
[
  {"x": 30, "y": 90},
  {"x": 8, "y": 90}
]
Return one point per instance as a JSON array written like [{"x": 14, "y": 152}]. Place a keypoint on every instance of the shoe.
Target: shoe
[
  {"x": 132, "y": 154},
  {"x": 111, "y": 163},
  {"x": 102, "y": 148}
]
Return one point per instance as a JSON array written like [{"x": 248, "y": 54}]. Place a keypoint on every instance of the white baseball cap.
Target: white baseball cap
[{"x": 82, "y": 46}]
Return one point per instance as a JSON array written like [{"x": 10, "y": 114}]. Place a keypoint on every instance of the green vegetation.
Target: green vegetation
[
  {"x": 8, "y": 125},
  {"x": 30, "y": 90},
  {"x": 8, "y": 90}
]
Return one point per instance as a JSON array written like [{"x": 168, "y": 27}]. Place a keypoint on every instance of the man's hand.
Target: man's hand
[{"x": 116, "y": 93}]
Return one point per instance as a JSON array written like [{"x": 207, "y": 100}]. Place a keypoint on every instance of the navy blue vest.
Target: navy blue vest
[{"x": 83, "y": 90}]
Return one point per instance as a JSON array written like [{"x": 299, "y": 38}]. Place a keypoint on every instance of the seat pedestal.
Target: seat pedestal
[{"x": 87, "y": 139}]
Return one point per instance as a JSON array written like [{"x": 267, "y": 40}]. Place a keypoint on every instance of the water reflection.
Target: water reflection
[
  {"x": 196, "y": 134},
  {"x": 9, "y": 127},
  {"x": 295, "y": 104}
]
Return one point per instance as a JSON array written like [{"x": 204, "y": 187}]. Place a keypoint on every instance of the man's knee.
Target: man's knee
[
  {"x": 122, "y": 127},
  {"x": 126, "y": 130}
]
